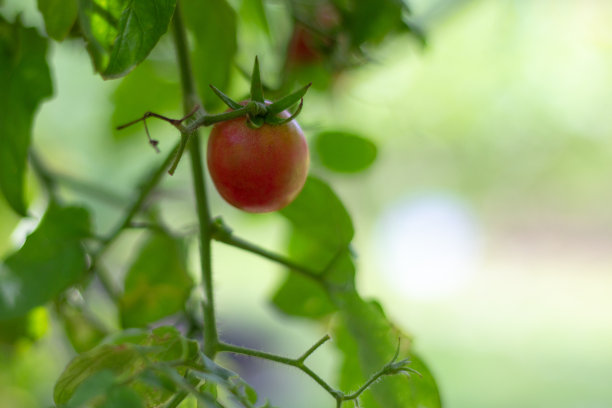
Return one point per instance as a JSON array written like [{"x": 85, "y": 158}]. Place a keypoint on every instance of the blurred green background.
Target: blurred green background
[{"x": 484, "y": 227}]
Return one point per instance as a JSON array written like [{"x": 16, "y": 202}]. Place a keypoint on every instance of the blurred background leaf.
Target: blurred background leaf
[
  {"x": 59, "y": 16},
  {"x": 26, "y": 82},
  {"x": 148, "y": 88},
  {"x": 344, "y": 152},
  {"x": 214, "y": 52},
  {"x": 51, "y": 259},
  {"x": 157, "y": 283}
]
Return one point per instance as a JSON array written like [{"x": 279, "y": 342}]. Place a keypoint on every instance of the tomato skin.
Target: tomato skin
[{"x": 258, "y": 170}]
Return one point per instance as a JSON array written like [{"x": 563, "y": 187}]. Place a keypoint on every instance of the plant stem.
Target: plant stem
[
  {"x": 43, "y": 173},
  {"x": 95, "y": 191},
  {"x": 146, "y": 187},
  {"x": 339, "y": 396},
  {"x": 107, "y": 282},
  {"x": 237, "y": 242},
  {"x": 294, "y": 362},
  {"x": 211, "y": 337}
]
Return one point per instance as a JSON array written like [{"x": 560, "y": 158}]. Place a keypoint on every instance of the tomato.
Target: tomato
[
  {"x": 258, "y": 170},
  {"x": 303, "y": 48}
]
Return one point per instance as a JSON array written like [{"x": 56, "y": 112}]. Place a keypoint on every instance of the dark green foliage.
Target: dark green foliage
[
  {"x": 121, "y": 33},
  {"x": 25, "y": 80}
]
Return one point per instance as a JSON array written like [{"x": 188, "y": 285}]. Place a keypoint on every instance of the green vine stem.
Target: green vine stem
[
  {"x": 393, "y": 367},
  {"x": 232, "y": 240},
  {"x": 211, "y": 337},
  {"x": 294, "y": 362}
]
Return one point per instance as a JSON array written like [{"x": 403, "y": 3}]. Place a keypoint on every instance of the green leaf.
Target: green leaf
[
  {"x": 119, "y": 397},
  {"x": 213, "y": 24},
  {"x": 51, "y": 260},
  {"x": 91, "y": 389},
  {"x": 103, "y": 390},
  {"x": 147, "y": 88},
  {"x": 213, "y": 373},
  {"x": 300, "y": 296},
  {"x": 368, "y": 341},
  {"x": 318, "y": 213},
  {"x": 83, "y": 333},
  {"x": 322, "y": 231},
  {"x": 157, "y": 283},
  {"x": 26, "y": 81},
  {"x": 344, "y": 152},
  {"x": 59, "y": 16},
  {"x": 254, "y": 12},
  {"x": 121, "y": 33},
  {"x": 127, "y": 355}
]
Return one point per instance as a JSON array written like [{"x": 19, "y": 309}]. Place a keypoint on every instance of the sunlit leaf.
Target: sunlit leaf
[
  {"x": 51, "y": 259},
  {"x": 213, "y": 24},
  {"x": 121, "y": 33},
  {"x": 368, "y": 341},
  {"x": 127, "y": 355},
  {"x": 344, "y": 152},
  {"x": 31, "y": 327},
  {"x": 59, "y": 16},
  {"x": 8, "y": 220},
  {"x": 157, "y": 283},
  {"x": 25, "y": 82}
]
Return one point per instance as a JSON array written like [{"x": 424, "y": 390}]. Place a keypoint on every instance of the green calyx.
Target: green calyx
[{"x": 257, "y": 110}]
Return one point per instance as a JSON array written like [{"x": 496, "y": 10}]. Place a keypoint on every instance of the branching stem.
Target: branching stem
[
  {"x": 393, "y": 367},
  {"x": 294, "y": 362}
]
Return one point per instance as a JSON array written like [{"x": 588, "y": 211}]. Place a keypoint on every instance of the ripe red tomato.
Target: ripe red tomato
[{"x": 258, "y": 170}]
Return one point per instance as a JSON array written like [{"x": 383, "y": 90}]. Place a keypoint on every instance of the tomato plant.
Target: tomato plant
[{"x": 162, "y": 344}]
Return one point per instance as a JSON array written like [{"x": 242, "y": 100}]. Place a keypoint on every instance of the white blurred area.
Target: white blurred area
[{"x": 428, "y": 246}]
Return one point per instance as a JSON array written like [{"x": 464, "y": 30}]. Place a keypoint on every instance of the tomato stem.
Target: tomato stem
[{"x": 211, "y": 337}]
